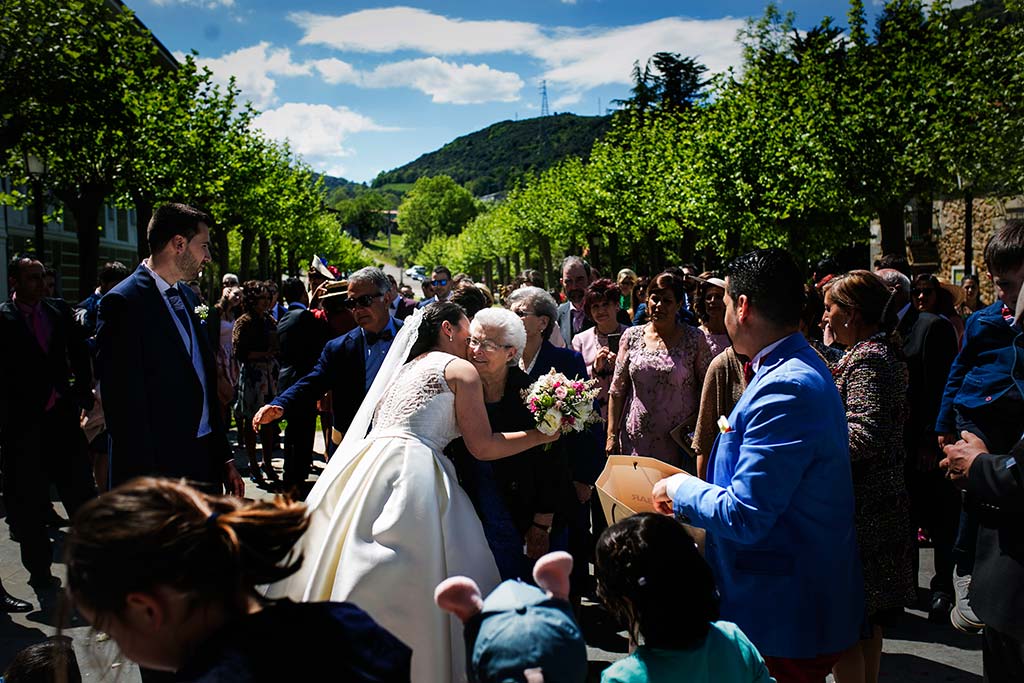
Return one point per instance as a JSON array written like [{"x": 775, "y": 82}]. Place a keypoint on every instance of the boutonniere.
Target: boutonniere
[
  {"x": 202, "y": 311},
  {"x": 723, "y": 424}
]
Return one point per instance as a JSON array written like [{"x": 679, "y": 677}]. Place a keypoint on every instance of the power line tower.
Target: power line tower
[{"x": 544, "y": 99}]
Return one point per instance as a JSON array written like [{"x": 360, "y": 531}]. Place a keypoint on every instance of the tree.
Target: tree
[{"x": 434, "y": 206}]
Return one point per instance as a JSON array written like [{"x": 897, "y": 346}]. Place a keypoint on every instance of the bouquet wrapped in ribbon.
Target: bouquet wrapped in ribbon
[{"x": 560, "y": 404}]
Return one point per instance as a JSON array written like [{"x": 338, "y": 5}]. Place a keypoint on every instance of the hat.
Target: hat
[
  {"x": 335, "y": 288},
  {"x": 318, "y": 266},
  {"x": 956, "y": 291},
  {"x": 523, "y": 628}
]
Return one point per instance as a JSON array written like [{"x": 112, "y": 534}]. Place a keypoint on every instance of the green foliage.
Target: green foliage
[
  {"x": 495, "y": 158},
  {"x": 435, "y": 206}
]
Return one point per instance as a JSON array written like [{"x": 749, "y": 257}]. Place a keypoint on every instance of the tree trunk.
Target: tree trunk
[
  {"x": 263, "y": 261},
  {"x": 293, "y": 263},
  {"x": 545, "y": 258},
  {"x": 515, "y": 262},
  {"x": 613, "y": 254},
  {"x": 143, "y": 214},
  {"x": 502, "y": 264},
  {"x": 968, "y": 233},
  {"x": 245, "y": 256},
  {"x": 733, "y": 242},
  {"x": 488, "y": 270},
  {"x": 222, "y": 253},
  {"x": 85, "y": 203},
  {"x": 277, "y": 263},
  {"x": 594, "y": 247},
  {"x": 893, "y": 229}
]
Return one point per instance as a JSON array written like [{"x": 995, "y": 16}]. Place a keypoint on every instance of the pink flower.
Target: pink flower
[
  {"x": 578, "y": 386},
  {"x": 560, "y": 391},
  {"x": 569, "y": 420},
  {"x": 556, "y": 385}
]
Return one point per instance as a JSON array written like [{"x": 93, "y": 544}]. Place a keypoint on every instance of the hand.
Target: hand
[
  {"x": 663, "y": 504},
  {"x": 538, "y": 542},
  {"x": 960, "y": 456},
  {"x": 947, "y": 439},
  {"x": 233, "y": 480},
  {"x": 611, "y": 445},
  {"x": 604, "y": 360},
  {"x": 583, "y": 491},
  {"x": 319, "y": 292},
  {"x": 266, "y": 415},
  {"x": 545, "y": 438}
]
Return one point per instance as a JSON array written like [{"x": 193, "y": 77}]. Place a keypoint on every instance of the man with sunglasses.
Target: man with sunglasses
[
  {"x": 348, "y": 364},
  {"x": 441, "y": 279}
]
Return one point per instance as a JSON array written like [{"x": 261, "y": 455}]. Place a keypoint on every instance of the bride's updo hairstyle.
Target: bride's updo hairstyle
[
  {"x": 430, "y": 326},
  {"x": 157, "y": 532}
]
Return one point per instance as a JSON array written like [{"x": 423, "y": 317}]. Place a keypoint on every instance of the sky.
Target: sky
[{"x": 361, "y": 87}]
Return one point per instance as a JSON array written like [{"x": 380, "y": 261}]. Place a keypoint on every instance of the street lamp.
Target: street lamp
[{"x": 37, "y": 169}]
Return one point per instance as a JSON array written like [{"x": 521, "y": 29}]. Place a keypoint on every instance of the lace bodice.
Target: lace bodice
[{"x": 419, "y": 402}]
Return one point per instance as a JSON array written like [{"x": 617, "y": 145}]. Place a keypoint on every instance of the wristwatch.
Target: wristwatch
[{"x": 545, "y": 529}]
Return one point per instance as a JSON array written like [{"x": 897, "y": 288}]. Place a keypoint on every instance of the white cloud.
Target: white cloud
[
  {"x": 407, "y": 28},
  {"x": 316, "y": 132},
  {"x": 577, "y": 59},
  {"x": 446, "y": 82},
  {"x": 566, "y": 100},
  {"x": 335, "y": 71},
  {"x": 205, "y": 4},
  {"x": 253, "y": 68}
]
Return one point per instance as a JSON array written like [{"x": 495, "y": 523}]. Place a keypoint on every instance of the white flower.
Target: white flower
[
  {"x": 550, "y": 423},
  {"x": 202, "y": 311},
  {"x": 723, "y": 424}
]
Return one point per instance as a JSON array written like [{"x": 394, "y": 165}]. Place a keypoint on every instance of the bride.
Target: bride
[{"x": 388, "y": 521}]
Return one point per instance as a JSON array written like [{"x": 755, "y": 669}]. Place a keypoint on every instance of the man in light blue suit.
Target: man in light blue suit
[{"x": 779, "y": 507}]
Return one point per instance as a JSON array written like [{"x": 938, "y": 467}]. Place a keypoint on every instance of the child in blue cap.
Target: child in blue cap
[
  {"x": 520, "y": 633},
  {"x": 651, "y": 577}
]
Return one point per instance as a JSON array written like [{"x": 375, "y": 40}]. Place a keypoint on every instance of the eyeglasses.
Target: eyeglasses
[
  {"x": 439, "y": 283},
  {"x": 524, "y": 314},
  {"x": 925, "y": 291},
  {"x": 485, "y": 345},
  {"x": 362, "y": 301}
]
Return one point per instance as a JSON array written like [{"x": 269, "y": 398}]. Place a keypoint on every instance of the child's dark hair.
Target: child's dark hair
[
  {"x": 1005, "y": 249},
  {"x": 430, "y": 326},
  {"x": 157, "y": 532},
  {"x": 51, "y": 661},
  {"x": 651, "y": 577}
]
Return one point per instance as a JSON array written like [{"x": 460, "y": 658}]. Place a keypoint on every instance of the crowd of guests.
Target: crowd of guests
[{"x": 823, "y": 426}]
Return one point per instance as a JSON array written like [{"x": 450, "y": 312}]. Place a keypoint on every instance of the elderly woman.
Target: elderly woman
[
  {"x": 872, "y": 380},
  {"x": 537, "y": 310},
  {"x": 710, "y": 309},
  {"x": 254, "y": 344},
  {"x": 517, "y": 498},
  {"x": 659, "y": 374},
  {"x": 598, "y": 344}
]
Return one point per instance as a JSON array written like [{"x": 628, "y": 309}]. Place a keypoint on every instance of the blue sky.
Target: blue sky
[{"x": 361, "y": 87}]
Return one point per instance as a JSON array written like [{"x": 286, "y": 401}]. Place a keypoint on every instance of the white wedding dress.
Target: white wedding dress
[{"x": 389, "y": 521}]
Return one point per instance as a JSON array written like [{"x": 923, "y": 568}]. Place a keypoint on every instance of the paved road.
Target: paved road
[{"x": 914, "y": 649}]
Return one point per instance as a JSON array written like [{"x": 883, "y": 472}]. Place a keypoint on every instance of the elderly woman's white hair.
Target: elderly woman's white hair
[
  {"x": 503, "y": 327},
  {"x": 539, "y": 302}
]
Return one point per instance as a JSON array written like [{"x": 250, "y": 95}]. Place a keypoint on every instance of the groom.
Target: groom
[
  {"x": 157, "y": 371},
  {"x": 348, "y": 364}
]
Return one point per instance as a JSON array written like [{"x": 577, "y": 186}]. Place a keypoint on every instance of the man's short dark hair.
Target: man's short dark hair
[
  {"x": 174, "y": 219},
  {"x": 470, "y": 298},
  {"x": 442, "y": 269},
  {"x": 772, "y": 282},
  {"x": 112, "y": 273},
  {"x": 896, "y": 262},
  {"x": 293, "y": 290},
  {"x": 15, "y": 265},
  {"x": 573, "y": 261},
  {"x": 1005, "y": 249}
]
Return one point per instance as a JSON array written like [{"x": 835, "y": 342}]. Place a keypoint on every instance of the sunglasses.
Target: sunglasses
[
  {"x": 524, "y": 314},
  {"x": 362, "y": 301},
  {"x": 439, "y": 283}
]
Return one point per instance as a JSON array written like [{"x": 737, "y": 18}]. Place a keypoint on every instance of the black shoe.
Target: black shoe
[
  {"x": 53, "y": 520},
  {"x": 44, "y": 583},
  {"x": 9, "y": 603},
  {"x": 938, "y": 611}
]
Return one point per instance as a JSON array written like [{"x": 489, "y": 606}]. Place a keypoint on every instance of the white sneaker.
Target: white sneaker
[{"x": 962, "y": 616}]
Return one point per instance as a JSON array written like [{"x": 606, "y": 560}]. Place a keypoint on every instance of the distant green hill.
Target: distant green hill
[{"x": 490, "y": 160}]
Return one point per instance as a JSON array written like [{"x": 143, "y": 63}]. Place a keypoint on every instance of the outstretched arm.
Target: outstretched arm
[{"x": 471, "y": 414}]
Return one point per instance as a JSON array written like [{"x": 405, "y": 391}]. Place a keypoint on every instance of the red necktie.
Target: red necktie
[{"x": 748, "y": 372}]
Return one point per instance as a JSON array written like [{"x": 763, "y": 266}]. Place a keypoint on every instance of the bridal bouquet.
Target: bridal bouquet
[{"x": 560, "y": 404}]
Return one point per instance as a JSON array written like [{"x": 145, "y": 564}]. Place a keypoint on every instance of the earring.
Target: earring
[
  {"x": 846, "y": 324},
  {"x": 451, "y": 337}
]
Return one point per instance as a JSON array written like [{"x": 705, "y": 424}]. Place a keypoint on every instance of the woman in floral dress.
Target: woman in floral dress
[{"x": 659, "y": 373}]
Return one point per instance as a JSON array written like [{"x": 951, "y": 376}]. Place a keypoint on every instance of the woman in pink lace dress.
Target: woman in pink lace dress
[{"x": 659, "y": 373}]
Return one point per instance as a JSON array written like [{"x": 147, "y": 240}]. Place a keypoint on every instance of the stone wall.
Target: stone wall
[{"x": 989, "y": 215}]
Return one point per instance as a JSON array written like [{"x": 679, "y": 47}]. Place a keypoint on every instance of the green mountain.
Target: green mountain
[{"x": 490, "y": 160}]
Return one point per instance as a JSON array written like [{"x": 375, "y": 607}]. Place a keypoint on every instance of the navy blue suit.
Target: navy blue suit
[
  {"x": 152, "y": 397},
  {"x": 982, "y": 388},
  {"x": 341, "y": 369}
]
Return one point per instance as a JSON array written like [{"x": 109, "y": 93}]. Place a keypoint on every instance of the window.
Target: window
[{"x": 122, "y": 225}]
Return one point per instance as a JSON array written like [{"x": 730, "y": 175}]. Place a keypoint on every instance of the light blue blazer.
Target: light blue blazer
[{"x": 779, "y": 510}]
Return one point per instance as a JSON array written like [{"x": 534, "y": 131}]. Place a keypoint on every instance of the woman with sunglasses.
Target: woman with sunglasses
[
  {"x": 930, "y": 296},
  {"x": 517, "y": 498}
]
